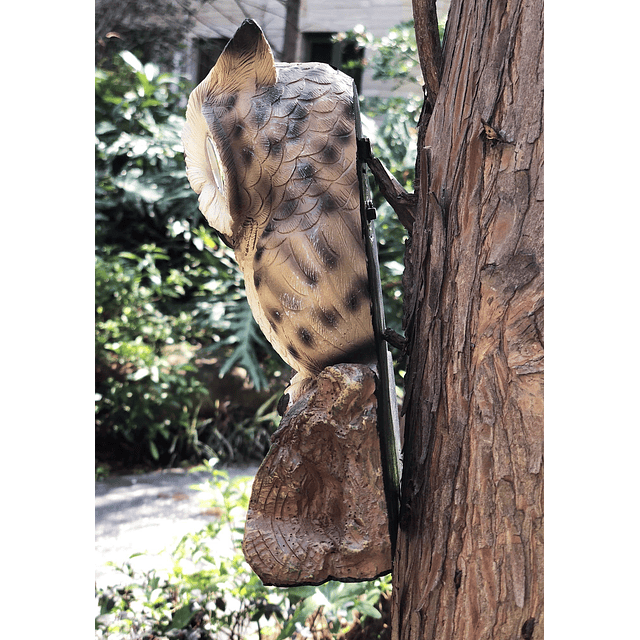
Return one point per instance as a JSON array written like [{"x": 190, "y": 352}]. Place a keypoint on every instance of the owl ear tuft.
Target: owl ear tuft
[{"x": 247, "y": 56}]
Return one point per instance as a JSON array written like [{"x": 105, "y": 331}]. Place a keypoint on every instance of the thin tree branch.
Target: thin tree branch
[
  {"x": 403, "y": 203},
  {"x": 429, "y": 48},
  {"x": 430, "y": 55}
]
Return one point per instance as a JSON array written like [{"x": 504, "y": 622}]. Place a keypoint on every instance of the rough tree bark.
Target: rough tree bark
[{"x": 469, "y": 560}]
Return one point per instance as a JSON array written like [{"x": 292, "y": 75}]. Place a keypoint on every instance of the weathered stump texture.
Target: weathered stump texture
[
  {"x": 317, "y": 509},
  {"x": 469, "y": 562}
]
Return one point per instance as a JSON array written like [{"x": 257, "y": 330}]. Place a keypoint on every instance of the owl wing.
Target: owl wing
[{"x": 307, "y": 280}]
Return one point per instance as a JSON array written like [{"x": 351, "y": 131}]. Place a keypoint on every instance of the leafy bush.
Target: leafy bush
[
  {"x": 210, "y": 594},
  {"x": 143, "y": 199},
  {"x": 149, "y": 406},
  {"x": 166, "y": 284},
  {"x": 163, "y": 282},
  {"x": 145, "y": 406}
]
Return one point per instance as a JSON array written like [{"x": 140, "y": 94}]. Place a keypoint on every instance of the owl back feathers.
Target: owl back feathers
[{"x": 284, "y": 137}]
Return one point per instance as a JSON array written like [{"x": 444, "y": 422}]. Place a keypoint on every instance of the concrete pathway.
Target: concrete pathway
[{"x": 147, "y": 513}]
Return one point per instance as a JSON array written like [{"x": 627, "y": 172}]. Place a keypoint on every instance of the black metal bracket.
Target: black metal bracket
[{"x": 388, "y": 420}]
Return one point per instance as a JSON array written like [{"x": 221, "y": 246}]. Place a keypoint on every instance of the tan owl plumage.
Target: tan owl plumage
[{"x": 271, "y": 151}]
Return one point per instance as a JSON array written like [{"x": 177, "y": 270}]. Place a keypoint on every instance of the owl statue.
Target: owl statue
[{"x": 271, "y": 150}]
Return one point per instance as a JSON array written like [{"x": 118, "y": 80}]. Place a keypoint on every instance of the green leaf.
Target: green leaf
[
  {"x": 368, "y": 610},
  {"x": 129, "y": 256},
  {"x": 248, "y": 338},
  {"x": 302, "y": 592},
  {"x": 181, "y": 618},
  {"x": 302, "y": 612},
  {"x": 105, "y": 127},
  {"x": 132, "y": 61}
]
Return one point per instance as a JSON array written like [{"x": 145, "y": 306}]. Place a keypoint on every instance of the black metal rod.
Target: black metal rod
[{"x": 388, "y": 421}]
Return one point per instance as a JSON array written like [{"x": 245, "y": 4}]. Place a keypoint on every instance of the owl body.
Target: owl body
[{"x": 271, "y": 149}]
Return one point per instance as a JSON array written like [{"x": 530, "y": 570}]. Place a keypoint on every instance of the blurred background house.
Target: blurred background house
[{"x": 189, "y": 35}]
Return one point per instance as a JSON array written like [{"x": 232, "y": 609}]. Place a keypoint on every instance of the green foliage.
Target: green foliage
[
  {"x": 249, "y": 342},
  {"x": 212, "y": 594},
  {"x": 250, "y": 437},
  {"x": 147, "y": 405},
  {"x": 163, "y": 280},
  {"x": 141, "y": 399},
  {"x": 142, "y": 195},
  {"x": 395, "y": 55},
  {"x": 332, "y": 606}
]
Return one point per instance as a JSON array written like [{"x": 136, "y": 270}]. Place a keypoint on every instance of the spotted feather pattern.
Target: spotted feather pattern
[{"x": 272, "y": 148}]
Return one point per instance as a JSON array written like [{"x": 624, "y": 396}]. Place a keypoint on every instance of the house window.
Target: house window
[
  {"x": 208, "y": 51},
  {"x": 345, "y": 55}
]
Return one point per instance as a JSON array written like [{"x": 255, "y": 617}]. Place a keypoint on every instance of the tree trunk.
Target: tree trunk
[
  {"x": 469, "y": 560},
  {"x": 291, "y": 31}
]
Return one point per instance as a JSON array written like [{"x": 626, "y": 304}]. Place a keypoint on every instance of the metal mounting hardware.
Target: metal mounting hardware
[{"x": 388, "y": 421}]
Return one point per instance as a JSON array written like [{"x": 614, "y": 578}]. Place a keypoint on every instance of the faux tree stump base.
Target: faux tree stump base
[{"x": 317, "y": 510}]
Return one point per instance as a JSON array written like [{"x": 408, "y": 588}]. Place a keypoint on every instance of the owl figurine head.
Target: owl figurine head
[
  {"x": 246, "y": 64},
  {"x": 271, "y": 150}
]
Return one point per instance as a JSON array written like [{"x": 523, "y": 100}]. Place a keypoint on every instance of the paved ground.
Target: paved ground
[{"x": 147, "y": 513}]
